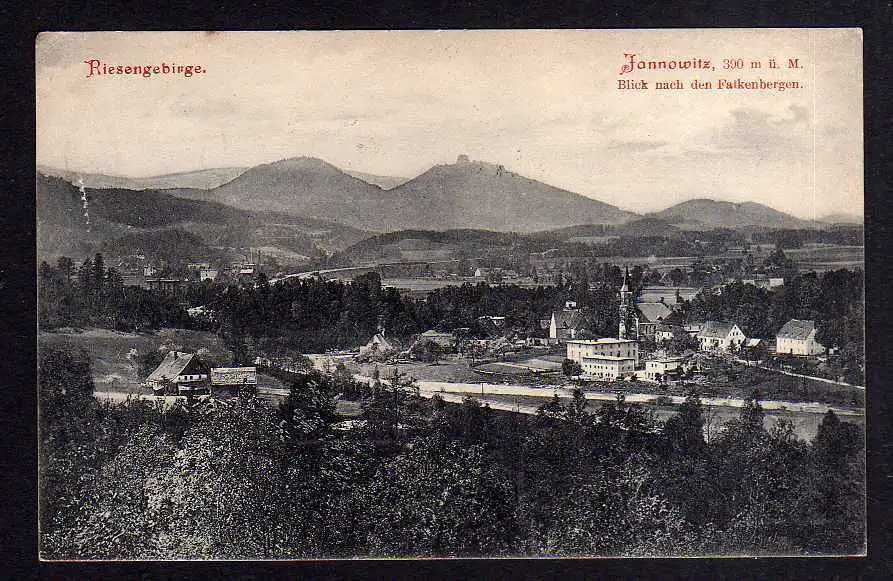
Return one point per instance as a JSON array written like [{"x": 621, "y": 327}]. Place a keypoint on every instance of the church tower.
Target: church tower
[{"x": 626, "y": 308}]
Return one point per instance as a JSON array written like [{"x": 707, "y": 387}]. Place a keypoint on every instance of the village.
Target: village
[{"x": 649, "y": 359}]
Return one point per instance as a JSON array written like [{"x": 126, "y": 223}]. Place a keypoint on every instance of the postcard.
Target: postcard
[{"x": 426, "y": 294}]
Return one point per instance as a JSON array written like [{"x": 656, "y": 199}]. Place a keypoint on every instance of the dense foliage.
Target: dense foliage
[
  {"x": 834, "y": 300},
  {"x": 89, "y": 294},
  {"x": 236, "y": 479}
]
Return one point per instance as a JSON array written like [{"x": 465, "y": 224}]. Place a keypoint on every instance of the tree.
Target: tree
[
  {"x": 441, "y": 499},
  {"x": 751, "y": 415},
  {"x": 307, "y": 413},
  {"x": 685, "y": 430},
  {"x": 571, "y": 368}
]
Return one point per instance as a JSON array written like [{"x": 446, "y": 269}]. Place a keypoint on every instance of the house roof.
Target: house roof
[
  {"x": 435, "y": 333},
  {"x": 654, "y": 312},
  {"x": 378, "y": 339},
  {"x": 233, "y": 375},
  {"x": 171, "y": 366},
  {"x": 567, "y": 319},
  {"x": 716, "y": 329},
  {"x": 796, "y": 329}
]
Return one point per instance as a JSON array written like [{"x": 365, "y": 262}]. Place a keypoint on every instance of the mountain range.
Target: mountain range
[
  {"x": 157, "y": 223},
  {"x": 205, "y": 179},
  {"x": 306, "y": 206},
  {"x": 462, "y": 195}
]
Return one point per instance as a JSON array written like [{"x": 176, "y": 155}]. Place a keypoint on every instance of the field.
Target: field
[
  {"x": 445, "y": 370},
  {"x": 534, "y": 365},
  {"x": 424, "y": 284},
  {"x": 822, "y": 258}
]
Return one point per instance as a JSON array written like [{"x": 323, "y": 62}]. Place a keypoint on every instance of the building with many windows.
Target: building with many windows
[{"x": 605, "y": 358}]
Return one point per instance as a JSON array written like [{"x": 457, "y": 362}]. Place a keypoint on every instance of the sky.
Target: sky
[{"x": 544, "y": 104}]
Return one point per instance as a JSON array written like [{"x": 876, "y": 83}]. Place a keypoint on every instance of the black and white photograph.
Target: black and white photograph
[{"x": 325, "y": 295}]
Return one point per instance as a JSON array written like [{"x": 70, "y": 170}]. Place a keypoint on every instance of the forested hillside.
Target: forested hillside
[{"x": 412, "y": 477}]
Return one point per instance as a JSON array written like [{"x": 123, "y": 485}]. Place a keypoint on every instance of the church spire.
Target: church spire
[{"x": 626, "y": 308}]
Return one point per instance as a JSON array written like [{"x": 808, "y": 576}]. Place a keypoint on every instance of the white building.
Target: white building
[
  {"x": 604, "y": 358},
  {"x": 658, "y": 368},
  {"x": 718, "y": 336},
  {"x": 798, "y": 338},
  {"x": 207, "y": 273}
]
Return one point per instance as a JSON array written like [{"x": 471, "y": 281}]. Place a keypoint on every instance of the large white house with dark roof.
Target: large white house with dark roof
[
  {"x": 797, "y": 337},
  {"x": 720, "y": 336}
]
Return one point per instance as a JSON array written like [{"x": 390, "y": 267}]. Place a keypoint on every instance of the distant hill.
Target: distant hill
[
  {"x": 302, "y": 186},
  {"x": 647, "y": 226},
  {"x": 205, "y": 179},
  {"x": 472, "y": 194},
  {"x": 384, "y": 182},
  {"x": 842, "y": 218},
  {"x": 704, "y": 214},
  {"x": 120, "y": 220}
]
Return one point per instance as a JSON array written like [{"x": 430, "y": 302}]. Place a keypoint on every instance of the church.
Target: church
[
  {"x": 610, "y": 358},
  {"x": 639, "y": 321}
]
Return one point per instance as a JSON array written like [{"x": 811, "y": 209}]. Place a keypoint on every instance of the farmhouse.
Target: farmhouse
[
  {"x": 604, "y": 358},
  {"x": 179, "y": 373},
  {"x": 763, "y": 281},
  {"x": 797, "y": 337},
  {"x": 719, "y": 336}
]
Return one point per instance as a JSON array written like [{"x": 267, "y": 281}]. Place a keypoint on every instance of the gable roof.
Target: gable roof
[
  {"x": 171, "y": 366},
  {"x": 436, "y": 333},
  {"x": 379, "y": 342},
  {"x": 716, "y": 329},
  {"x": 567, "y": 319},
  {"x": 796, "y": 329},
  {"x": 654, "y": 312}
]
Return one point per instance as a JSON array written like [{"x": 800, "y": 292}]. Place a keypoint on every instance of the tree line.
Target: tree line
[
  {"x": 236, "y": 478},
  {"x": 315, "y": 315}
]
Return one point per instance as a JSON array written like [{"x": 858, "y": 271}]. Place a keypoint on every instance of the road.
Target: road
[{"x": 430, "y": 388}]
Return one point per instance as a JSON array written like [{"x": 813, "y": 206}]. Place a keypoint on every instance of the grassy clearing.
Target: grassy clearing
[{"x": 115, "y": 368}]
